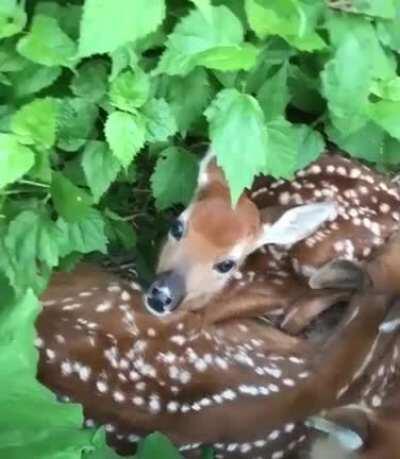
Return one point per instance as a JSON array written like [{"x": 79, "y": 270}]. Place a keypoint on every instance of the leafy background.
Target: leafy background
[{"x": 105, "y": 108}]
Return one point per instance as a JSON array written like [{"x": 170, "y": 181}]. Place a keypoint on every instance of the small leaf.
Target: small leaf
[
  {"x": 160, "y": 121},
  {"x": 130, "y": 90},
  {"x": 387, "y": 115},
  {"x": 15, "y": 159},
  {"x": 237, "y": 116},
  {"x": 32, "y": 79},
  {"x": 12, "y": 18},
  {"x": 100, "y": 167},
  {"x": 91, "y": 81},
  {"x": 36, "y": 122},
  {"x": 174, "y": 178},
  {"x": 125, "y": 133},
  {"x": 157, "y": 445},
  {"x": 124, "y": 21},
  {"x": 273, "y": 95},
  {"x": 84, "y": 236},
  {"x": 75, "y": 123},
  {"x": 310, "y": 145},
  {"x": 47, "y": 44},
  {"x": 72, "y": 203}
]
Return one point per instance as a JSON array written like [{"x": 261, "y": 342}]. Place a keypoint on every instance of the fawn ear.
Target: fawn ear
[
  {"x": 210, "y": 172},
  {"x": 347, "y": 425},
  {"x": 339, "y": 273},
  {"x": 296, "y": 224}
]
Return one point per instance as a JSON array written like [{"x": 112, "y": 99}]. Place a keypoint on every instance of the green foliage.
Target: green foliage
[{"x": 104, "y": 107}]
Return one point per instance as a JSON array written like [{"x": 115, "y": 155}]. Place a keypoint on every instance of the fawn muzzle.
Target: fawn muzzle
[{"x": 165, "y": 293}]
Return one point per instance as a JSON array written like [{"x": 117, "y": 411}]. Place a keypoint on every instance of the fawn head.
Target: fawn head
[{"x": 210, "y": 240}]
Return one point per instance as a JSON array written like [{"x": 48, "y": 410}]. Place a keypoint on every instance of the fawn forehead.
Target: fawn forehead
[{"x": 221, "y": 225}]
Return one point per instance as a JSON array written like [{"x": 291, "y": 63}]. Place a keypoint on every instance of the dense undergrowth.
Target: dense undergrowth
[{"x": 105, "y": 106}]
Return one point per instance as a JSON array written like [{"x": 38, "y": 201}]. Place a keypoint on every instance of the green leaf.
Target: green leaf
[
  {"x": 12, "y": 18},
  {"x": 389, "y": 89},
  {"x": 205, "y": 8},
  {"x": 378, "y": 8},
  {"x": 282, "y": 151},
  {"x": 122, "y": 58},
  {"x": 160, "y": 121},
  {"x": 273, "y": 95},
  {"x": 390, "y": 153},
  {"x": 389, "y": 32},
  {"x": 212, "y": 43},
  {"x": 68, "y": 16},
  {"x": 310, "y": 145},
  {"x": 187, "y": 110},
  {"x": 157, "y": 445},
  {"x": 292, "y": 20},
  {"x": 125, "y": 133},
  {"x": 130, "y": 90},
  {"x": 47, "y": 44},
  {"x": 237, "y": 116},
  {"x": 75, "y": 123},
  {"x": 35, "y": 122},
  {"x": 72, "y": 203},
  {"x": 100, "y": 168},
  {"x": 32, "y": 79},
  {"x": 84, "y": 236},
  {"x": 135, "y": 19},
  {"x": 15, "y": 159},
  {"x": 91, "y": 81},
  {"x": 365, "y": 143},
  {"x": 174, "y": 178},
  {"x": 347, "y": 92},
  {"x": 387, "y": 115}
]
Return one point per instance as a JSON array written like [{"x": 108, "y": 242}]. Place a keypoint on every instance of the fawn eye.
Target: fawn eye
[
  {"x": 224, "y": 266},
  {"x": 176, "y": 230}
]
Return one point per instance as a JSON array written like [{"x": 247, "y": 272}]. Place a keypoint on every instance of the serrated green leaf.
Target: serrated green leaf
[
  {"x": 282, "y": 151},
  {"x": 157, "y": 445},
  {"x": 198, "y": 41},
  {"x": 100, "y": 167},
  {"x": 135, "y": 20},
  {"x": 160, "y": 121},
  {"x": 365, "y": 143},
  {"x": 32, "y": 79},
  {"x": 174, "y": 178},
  {"x": 233, "y": 115},
  {"x": 292, "y": 20},
  {"x": 125, "y": 134},
  {"x": 347, "y": 92},
  {"x": 12, "y": 18},
  {"x": 273, "y": 95},
  {"x": 310, "y": 145},
  {"x": 37, "y": 47},
  {"x": 91, "y": 81},
  {"x": 379, "y": 8},
  {"x": 229, "y": 58},
  {"x": 122, "y": 58},
  {"x": 68, "y": 16},
  {"x": 389, "y": 89},
  {"x": 187, "y": 110},
  {"x": 75, "y": 123},
  {"x": 15, "y": 159},
  {"x": 387, "y": 115},
  {"x": 71, "y": 202},
  {"x": 130, "y": 90},
  {"x": 35, "y": 122},
  {"x": 84, "y": 236}
]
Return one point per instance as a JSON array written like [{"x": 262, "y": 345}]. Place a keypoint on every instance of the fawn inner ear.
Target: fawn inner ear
[
  {"x": 210, "y": 172},
  {"x": 297, "y": 223}
]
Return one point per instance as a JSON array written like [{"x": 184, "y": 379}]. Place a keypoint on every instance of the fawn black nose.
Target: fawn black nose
[{"x": 165, "y": 293}]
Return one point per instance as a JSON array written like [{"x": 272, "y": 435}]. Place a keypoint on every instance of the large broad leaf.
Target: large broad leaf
[
  {"x": 36, "y": 122},
  {"x": 124, "y": 21},
  {"x": 160, "y": 121},
  {"x": 187, "y": 110},
  {"x": 125, "y": 134},
  {"x": 47, "y": 43},
  {"x": 71, "y": 202},
  {"x": 347, "y": 92},
  {"x": 387, "y": 115},
  {"x": 84, "y": 236},
  {"x": 174, "y": 178},
  {"x": 215, "y": 43},
  {"x": 293, "y": 20},
  {"x": 100, "y": 166},
  {"x": 15, "y": 159},
  {"x": 239, "y": 138},
  {"x": 130, "y": 90},
  {"x": 12, "y": 18}
]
